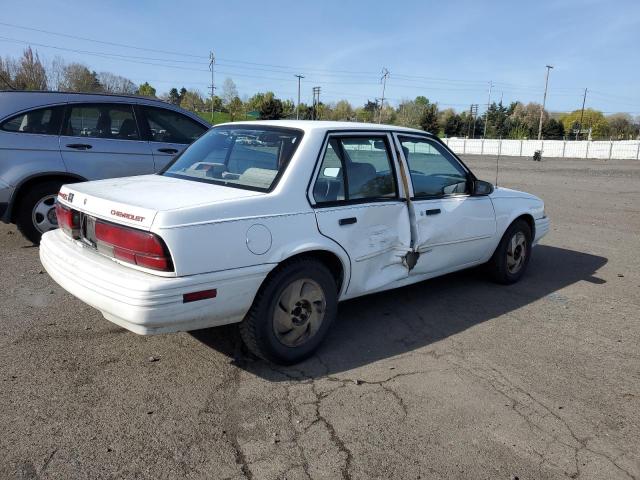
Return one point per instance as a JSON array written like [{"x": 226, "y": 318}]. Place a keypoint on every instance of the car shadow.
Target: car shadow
[{"x": 394, "y": 322}]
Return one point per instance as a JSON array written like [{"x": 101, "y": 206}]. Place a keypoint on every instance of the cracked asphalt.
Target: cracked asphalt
[{"x": 451, "y": 378}]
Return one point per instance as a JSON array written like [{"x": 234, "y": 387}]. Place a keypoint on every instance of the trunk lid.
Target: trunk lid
[{"x": 135, "y": 201}]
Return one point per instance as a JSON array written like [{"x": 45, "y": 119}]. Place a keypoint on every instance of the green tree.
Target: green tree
[
  {"x": 592, "y": 120},
  {"x": 342, "y": 111},
  {"x": 235, "y": 108},
  {"x": 146, "y": 90},
  {"x": 174, "y": 96},
  {"x": 271, "y": 109},
  {"x": 553, "y": 129},
  {"x": 429, "y": 119}
]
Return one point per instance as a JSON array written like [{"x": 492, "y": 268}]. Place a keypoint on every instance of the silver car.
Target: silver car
[{"x": 48, "y": 139}]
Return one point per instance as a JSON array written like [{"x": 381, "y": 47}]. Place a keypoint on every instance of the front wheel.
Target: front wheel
[
  {"x": 36, "y": 210},
  {"x": 511, "y": 258},
  {"x": 292, "y": 312}
]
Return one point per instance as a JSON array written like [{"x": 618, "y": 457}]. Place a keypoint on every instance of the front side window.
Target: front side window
[
  {"x": 172, "y": 127},
  {"x": 244, "y": 157},
  {"x": 44, "y": 121},
  {"x": 105, "y": 120},
  {"x": 434, "y": 173},
  {"x": 355, "y": 168}
]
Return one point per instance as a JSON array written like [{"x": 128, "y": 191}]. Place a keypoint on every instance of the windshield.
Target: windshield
[{"x": 249, "y": 157}]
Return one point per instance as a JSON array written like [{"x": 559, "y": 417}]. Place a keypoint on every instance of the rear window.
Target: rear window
[
  {"x": 243, "y": 157},
  {"x": 43, "y": 121}
]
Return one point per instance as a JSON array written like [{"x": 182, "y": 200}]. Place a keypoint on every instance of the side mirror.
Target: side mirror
[{"x": 480, "y": 187}]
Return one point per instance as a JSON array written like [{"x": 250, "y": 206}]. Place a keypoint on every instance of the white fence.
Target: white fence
[{"x": 621, "y": 149}]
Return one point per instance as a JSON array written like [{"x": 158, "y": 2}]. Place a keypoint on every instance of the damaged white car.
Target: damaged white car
[{"x": 271, "y": 224}]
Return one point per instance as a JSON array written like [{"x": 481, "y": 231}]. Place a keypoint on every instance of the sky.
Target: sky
[{"x": 447, "y": 51}]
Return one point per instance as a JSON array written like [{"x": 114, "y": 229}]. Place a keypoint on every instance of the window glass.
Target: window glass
[
  {"x": 367, "y": 163},
  {"x": 43, "y": 121},
  {"x": 238, "y": 156},
  {"x": 172, "y": 127},
  {"x": 433, "y": 171},
  {"x": 102, "y": 121}
]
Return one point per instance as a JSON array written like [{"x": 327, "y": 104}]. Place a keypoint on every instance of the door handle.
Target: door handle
[
  {"x": 79, "y": 146},
  {"x": 433, "y": 211},
  {"x": 347, "y": 221},
  {"x": 170, "y": 151}
]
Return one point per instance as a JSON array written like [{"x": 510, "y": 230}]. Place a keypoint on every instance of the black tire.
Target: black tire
[
  {"x": 498, "y": 266},
  {"x": 258, "y": 330},
  {"x": 26, "y": 204}
]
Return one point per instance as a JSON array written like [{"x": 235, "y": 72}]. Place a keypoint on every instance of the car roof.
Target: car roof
[
  {"x": 14, "y": 101},
  {"x": 315, "y": 125}
]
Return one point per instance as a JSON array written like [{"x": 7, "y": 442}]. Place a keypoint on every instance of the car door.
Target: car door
[
  {"x": 358, "y": 204},
  {"x": 169, "y": 133},
  {"x": 102, "y": 140},
  {"x": 453, "y": 229}
]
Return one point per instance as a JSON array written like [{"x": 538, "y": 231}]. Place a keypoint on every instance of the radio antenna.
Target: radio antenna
[{"x": 498, "y": 159}]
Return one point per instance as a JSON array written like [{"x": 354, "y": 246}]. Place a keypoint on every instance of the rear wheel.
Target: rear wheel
[
  {"x": 511, "y": 258},
  {"x": 292, "y": 312},
  {"x": 36, "y": 210}
]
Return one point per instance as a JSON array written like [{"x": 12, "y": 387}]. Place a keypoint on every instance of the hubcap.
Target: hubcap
[
  {"x": 299, "y": 312},
  {"x": 43, "y": 215},
  {"x": 516, "y": 252}
]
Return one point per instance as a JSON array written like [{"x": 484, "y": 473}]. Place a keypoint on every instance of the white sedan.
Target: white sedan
[{"x": 271, "y": 224}]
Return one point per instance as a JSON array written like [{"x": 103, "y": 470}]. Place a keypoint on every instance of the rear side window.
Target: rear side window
[
  {"x": 113, "y": 121},
  {"x": 167, "y": 126},
  {"x": 43, "y": 121},
  {"x": 355, "y": 168}
]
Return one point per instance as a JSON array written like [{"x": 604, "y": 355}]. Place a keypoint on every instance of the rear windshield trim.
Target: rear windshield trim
[{"x": 239, "y": 126}]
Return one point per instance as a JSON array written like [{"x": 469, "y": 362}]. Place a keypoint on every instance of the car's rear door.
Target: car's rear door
[
  {"x": 453, "y": 228},
  {"x": 169, "y": 132},
  {"x": 358, "y": 204},
  {"x": 103, "y": 140}
]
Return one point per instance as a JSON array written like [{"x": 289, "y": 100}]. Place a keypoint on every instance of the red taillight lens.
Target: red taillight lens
[
  {"x": 133, "y": 246},
  {"x": 68, "y": 220}
]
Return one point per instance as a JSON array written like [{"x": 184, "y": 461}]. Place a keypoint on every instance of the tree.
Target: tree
[
  {"x": 621, "y": 126},
  {"x": 271, "y": 109},
  {"x": 288, "y": 109},
  {"x": 146, "y": 90},
  {"x": 496, "y": 118},
  {"x": 30, "y": 74},
  {"x": 452, "y": 123},
  {"x": 342, "y": 111},
  {"x": 116, "y": 84},
  {"x": 78, "y": 78},
  {"x": 592, "y": 120},
  {"x": 553, "y": 129},
  {"x": 429, "y": 118},
  {"x": 192, "y": 100},
  {"x": 229, "y": 92},
  {"x": 236, "y": 108},
  {"x": 174, "y": 97}
]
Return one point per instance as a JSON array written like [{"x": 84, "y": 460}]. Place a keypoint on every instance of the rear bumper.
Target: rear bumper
[
  {"x": 145, "y": 303},
  {"x": 542, "y": 228}
]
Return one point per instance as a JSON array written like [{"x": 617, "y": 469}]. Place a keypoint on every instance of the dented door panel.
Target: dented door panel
[{"x": 376, "y": 242}]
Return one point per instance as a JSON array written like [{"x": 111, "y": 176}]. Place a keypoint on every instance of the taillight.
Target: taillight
[
  {"x": 133, "y": 246},
  {"x": 68, "y": 220}
]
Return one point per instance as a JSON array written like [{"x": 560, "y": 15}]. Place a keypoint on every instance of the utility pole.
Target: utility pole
[
  {"x": 486, "y": 117},
  {"x": 316, "y": 102},
  {"x": 544, "y": 101},
  {"x": 383, "y": 80},
  {"x": 300, "y": 77},
  {"x": 584, "y": 99},
  {"x": 473, "y": 111},
  {"x": 212, "y": 63}
]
